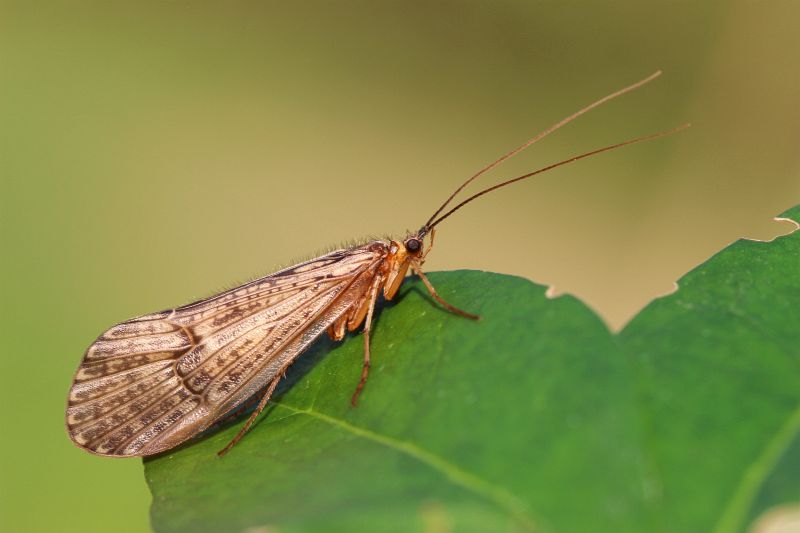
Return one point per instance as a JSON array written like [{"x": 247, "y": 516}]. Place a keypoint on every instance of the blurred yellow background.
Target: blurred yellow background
[{"x": 152, "y": 153}]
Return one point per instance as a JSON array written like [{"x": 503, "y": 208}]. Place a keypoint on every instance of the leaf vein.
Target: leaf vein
[
  {"x": 497, "y": 495},
  {"x": 735, "y": 512}
]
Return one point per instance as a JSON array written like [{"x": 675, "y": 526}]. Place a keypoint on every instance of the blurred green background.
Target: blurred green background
[{"x": 151, "y": 153}]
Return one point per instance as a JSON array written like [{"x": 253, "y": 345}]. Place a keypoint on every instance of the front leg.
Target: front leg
[{"x": 453, "y": 309}]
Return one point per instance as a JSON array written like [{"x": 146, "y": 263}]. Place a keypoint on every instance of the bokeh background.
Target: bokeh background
[{"x": 153, "y": 152}]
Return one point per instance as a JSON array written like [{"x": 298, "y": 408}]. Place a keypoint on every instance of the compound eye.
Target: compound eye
[{"x": 413, "y": 245}]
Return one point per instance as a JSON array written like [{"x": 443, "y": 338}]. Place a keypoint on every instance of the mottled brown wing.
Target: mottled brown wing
[{"x": 151, "y": 383}]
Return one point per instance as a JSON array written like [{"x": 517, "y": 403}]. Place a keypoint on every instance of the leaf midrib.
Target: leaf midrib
[
  {"x": 495, "y": 494},
  {"x": 734, "y": 514}
]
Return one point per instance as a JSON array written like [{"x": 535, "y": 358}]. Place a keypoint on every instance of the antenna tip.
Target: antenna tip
[{"x": 653, "y": 76}]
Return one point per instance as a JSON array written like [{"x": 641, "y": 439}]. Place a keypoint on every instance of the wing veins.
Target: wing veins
[
  {"x": 222, "y": 310},
  {"x": 144, "y": 411},
  {"x": 98, "y": 362},
  {"x": 147, "y": 426},
  {"x": 294, "y": 335},
  {"x": 290, "y": 312},
  {"x": 141, "y": 368},
  {"x": 183, "y": 379},
  {"x": 276, "y": 275},
  {"x": 125, "y": 404},
  {"x": 278, "y": 289}
]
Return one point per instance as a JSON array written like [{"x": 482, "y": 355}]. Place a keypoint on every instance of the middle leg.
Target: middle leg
[{"x": 373, "y": 296}]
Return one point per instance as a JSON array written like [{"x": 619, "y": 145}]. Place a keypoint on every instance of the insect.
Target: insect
[{"x": 153, "y": 382}]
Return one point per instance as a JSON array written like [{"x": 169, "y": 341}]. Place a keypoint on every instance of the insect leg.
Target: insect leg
[
  {"x": 373, "y": 296},
  {"x": 253, "y": 415},
  {"x": 452, "y": 309}
]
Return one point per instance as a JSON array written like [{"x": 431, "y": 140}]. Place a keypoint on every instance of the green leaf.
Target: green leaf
[{"x": 536, "y": 417}]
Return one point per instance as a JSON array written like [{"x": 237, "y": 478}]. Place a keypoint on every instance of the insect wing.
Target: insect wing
[{"x": 149, "y": 384}]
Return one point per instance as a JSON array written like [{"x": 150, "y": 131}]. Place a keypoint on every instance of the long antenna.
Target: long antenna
[
  {"x": 554, "y": 165},
  {"x": 541, "y": 136}
]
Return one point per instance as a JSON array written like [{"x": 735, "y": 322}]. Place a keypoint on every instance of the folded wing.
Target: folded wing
[{"x": 148, "y": 384}]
